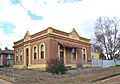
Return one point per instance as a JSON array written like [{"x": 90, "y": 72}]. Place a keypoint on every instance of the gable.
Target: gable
[
  {"x": 73, "y": 34},
  {"x": 27, "y": 36}
]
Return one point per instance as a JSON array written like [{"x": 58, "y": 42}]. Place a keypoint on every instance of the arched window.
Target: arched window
[
  {"x": 74, "y": 53},
  {"x": 83, "y": 54},
  {"x": 42, "y": 51},
  {"x": 35, "y": 52},
  {"x": 21, "y": 54},
  {"x": 16, "y": 55}
]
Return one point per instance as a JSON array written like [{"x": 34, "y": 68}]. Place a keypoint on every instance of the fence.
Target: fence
[{"x": 105, "y": 63}]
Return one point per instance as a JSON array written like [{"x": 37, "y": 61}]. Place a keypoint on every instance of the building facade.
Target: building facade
[
  {"x": 34, "y": 51},
  {"x": 95, "y": 56},
  {"x": 1, "y": 58},
  {"x": 6, "y": 57}
]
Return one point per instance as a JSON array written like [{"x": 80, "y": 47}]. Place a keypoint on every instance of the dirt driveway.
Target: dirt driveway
[{"x": 85, "y": 76}]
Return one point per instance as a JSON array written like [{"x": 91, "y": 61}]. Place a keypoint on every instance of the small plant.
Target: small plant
[{"x": 55, "y": 66}]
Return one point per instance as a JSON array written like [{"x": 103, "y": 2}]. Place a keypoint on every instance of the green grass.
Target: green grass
[{"x": 117, "y": 66}]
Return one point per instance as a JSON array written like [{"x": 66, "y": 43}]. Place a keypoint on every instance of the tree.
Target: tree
[
  {"x": 97, "y": 48},
  {"x": 107, "y": 36}
]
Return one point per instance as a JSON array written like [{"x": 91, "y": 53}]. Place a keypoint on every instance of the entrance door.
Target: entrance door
[
  {"x": 27, "y": 56},
  {"x": 61, "y": 54}
]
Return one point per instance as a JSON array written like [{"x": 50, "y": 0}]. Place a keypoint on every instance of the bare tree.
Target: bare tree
[
  {"x": 97, "y": 48},
  {"x": 106, "y": 36}
]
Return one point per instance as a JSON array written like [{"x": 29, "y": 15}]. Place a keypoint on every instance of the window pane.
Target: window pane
[
  {"x": 35, "y": 49},
  {"x": 17, "y": 56},
  {"x": 21, "y": 53},
  {"x": 9, "y": 56},
  {"x": 42, "y": 51},
  {"x": 73, "y": 50},
  {"x": 83, "y": 54},
  {"x": 61, "y": 48},
  {"x": 42, "y": 55},
  {"x": 34, "y": 55},
  {"x": 74, "y": 53},
  {"x": 83, "y": 51},
  {"x": 35, "y": 52},
  {"x": 42, "y": 48}
]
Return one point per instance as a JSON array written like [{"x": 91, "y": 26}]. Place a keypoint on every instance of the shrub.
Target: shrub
[{"x": 55, "y": 66}]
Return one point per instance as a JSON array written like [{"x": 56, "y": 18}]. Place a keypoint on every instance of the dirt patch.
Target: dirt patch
[
  {"x": 6, "y": 78},
  {"x": 84, "y": 76}
]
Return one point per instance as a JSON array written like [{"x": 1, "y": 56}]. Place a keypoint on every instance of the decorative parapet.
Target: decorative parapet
[
  {"x": 27, "y": 36},
  {"x": 74, "y": 35},
  {"x": 50, "y": 30}
]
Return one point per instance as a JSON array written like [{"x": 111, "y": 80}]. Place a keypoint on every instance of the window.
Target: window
[
  {"x": 61, "y": 54},
  {"x": 0, "y": 56},
  {"x": 83, "y": 54},
  {"x": 74, "y": 53},
  {"x": 35, "y": 53},
  {"x": 61, "y": 48},
  {"x": 42, "y": 51},
  {"x": 21, "y": 53},
  {"x": 6, "y": 56},
  {"x": 9, "y": 56},
  {"x": 16, "y": 55}
]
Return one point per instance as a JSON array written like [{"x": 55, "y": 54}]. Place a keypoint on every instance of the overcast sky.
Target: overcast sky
[{"x": 18, "y": 16}]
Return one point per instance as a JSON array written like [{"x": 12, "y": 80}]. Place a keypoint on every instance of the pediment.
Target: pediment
[
  {"x": 27, "y": 36},
  {"x": 73, "y": 34}
]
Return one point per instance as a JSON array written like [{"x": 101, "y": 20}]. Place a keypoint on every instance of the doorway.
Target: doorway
[{"x": 27, "y": 56}]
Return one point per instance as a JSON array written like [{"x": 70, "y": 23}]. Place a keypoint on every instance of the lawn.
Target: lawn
[
  {"x": 117, "y": 66},
  {"x": 85, "y": 76}
]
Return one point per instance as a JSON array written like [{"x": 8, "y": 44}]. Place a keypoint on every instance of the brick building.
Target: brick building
[
  {"x": 33, "y": 51},
  {"x": 6, "y": 57}
]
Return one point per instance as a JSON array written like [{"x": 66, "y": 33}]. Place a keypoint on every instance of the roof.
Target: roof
[
  {"x": 73, "y": 35},
  {"x": 7, "y": 51},
  {"x": 69, "y": 44}
]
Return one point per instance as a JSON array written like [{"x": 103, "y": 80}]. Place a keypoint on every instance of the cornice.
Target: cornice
[{"x": 52, "y": 35}]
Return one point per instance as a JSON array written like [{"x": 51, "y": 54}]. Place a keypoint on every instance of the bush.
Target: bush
[{"x": 56, "y": 67}]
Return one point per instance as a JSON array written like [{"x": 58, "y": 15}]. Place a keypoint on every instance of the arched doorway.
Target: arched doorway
[{"x": 27, "y": 56}]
